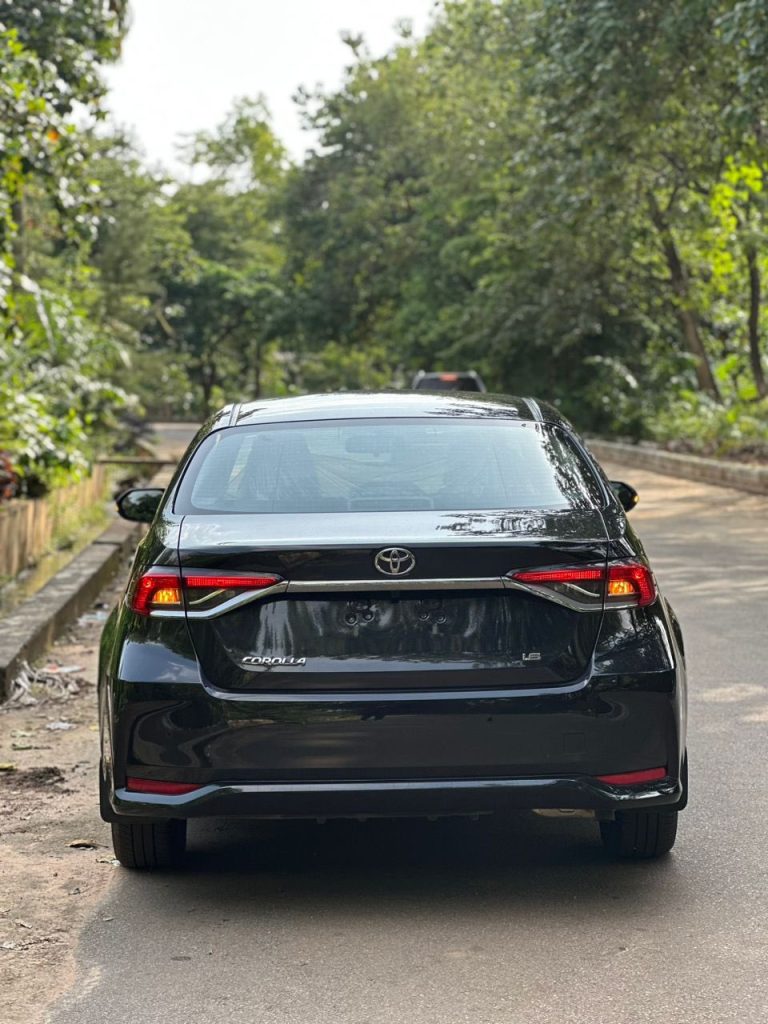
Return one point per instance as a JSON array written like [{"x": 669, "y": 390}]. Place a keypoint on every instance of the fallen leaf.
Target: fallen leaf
[
  {"x": 83, "y": 844},
  {"x": 8, "y": 945},
  {"x": 22, "y": 924},
  {"x": 7, "y": 766},
  {"x": 61, "y": 726}
]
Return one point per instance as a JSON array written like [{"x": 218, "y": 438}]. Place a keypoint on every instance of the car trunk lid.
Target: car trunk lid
[{"x": 337, "y": 622}]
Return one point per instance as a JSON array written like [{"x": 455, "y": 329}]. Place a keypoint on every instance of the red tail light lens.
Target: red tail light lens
[
  {"x": 620, "y": 585},
  {"x": 203, "y": 582},
  {"x": 159, "y": 590},
  {"x": 560, "y": 575}
]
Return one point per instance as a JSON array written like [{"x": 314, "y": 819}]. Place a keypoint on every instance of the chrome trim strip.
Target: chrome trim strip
[
  {"x": 234, "y": 602},
  {"x": 553, "y": 595},
  {"x": 342, "y": 586}
]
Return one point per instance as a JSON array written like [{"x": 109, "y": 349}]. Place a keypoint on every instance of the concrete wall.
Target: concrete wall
[{"x": 720, "y": 472}]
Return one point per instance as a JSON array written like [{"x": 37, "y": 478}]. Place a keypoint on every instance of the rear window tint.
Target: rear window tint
[{"x": 385, "y": 465}]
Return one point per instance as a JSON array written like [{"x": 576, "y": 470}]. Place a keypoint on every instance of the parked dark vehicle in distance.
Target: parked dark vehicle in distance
[
  {"x": 448, "y": 380},
  {"x": 389, "y": 604}
]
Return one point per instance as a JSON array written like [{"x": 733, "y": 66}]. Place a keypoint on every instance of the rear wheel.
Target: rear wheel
[
  {"x": 640, "y": 835},
  {"x": 144, "y": 847}
]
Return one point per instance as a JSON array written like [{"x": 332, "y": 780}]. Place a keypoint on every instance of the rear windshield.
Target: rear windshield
[{"x": 393, "y": 465}]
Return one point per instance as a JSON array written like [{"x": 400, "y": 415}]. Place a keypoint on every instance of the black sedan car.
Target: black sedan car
[
  {"x": 447, "y": 380},
  {"x": 389, "y": 604}
]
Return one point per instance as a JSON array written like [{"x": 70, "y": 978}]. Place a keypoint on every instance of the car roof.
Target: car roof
[{"x": 384, "y": 404}]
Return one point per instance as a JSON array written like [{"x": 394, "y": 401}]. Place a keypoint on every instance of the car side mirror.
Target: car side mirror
[
  {"x": 628, "y": 496},
  {"x": 140, "y": 504}
]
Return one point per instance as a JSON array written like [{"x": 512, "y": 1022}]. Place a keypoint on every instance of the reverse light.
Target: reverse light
[
  {"x": 159, "y": 787},
  {"x": 633, "y": 778},
  {"x": 160, "y": 590},
  {"x": 619, "y": 585}
]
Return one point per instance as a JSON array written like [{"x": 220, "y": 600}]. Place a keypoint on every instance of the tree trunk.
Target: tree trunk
[
  {"x": 256, "y": 370},
  {"x": 207, "y": 382},
  {"x": 687, "y": 316},
  {"x": 18, "y": 213},
  {"x": 755, "y": 359}
]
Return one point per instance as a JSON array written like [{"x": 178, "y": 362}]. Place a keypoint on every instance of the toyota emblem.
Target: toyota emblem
[{"x": 395, "y": 561}]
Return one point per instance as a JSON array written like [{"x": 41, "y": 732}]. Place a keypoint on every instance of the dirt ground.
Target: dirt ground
[{"x": 55, "y": 853}]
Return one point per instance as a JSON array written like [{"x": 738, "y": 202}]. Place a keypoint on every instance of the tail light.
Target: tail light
[
  {"x": 586, "y": 588},
  {"x": 158, "y": 590},
  {"x": 632, "y": 582}
]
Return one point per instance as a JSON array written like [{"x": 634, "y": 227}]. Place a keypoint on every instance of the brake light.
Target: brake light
[
  {"x": 620, "y": 585},
  {"x": 160, "y": 590},
  {"x": 560, "y": 575},
  {"x": 228, "y": 582},
  {"x": 159, "y": 787},
  {"x": 449, "y": 376},
  {"x": 633, "y": 778}
]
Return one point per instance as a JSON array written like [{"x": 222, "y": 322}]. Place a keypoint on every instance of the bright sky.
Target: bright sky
[{"x": 184, "y": 61}]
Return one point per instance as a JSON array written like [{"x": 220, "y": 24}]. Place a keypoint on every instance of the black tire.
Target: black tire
[
  {"x": 640, "y": 835},
  {"x": 145, "y": 847}
]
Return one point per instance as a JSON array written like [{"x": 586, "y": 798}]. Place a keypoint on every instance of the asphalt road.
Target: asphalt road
[{"x": 488, "y": 923}]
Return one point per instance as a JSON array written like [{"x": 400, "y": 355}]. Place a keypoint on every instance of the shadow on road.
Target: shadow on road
[{"x": 361, "y": 865}]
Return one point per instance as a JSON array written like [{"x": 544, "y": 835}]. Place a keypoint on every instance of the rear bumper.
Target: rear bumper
[
  {"x": 393, "y": 799},
  {"x": 322, "y": 756}
]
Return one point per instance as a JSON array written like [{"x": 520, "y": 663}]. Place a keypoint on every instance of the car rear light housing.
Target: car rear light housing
[
  {"x": 589, "y": 587},
  {"x": 161, "y": 592}
]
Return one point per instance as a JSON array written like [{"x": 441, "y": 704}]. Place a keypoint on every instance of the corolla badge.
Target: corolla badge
[
  {"x": 395, "y": 561},
  {"x": 267, "y": 662}
]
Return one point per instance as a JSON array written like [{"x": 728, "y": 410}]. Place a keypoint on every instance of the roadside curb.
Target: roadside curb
[
  {"x": 35, "y": 624},
  {"x": 690, "y": 467}
]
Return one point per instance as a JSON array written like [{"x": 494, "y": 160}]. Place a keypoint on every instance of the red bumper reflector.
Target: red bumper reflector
[
  {"x": 159, "y": 787},
  {"x": 631, "y": 778}
]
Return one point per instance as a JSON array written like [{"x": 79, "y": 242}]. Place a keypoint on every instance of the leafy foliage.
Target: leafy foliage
[
  {"x": 54, "y": 405},
  {"x": 566, "y": 195}
]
